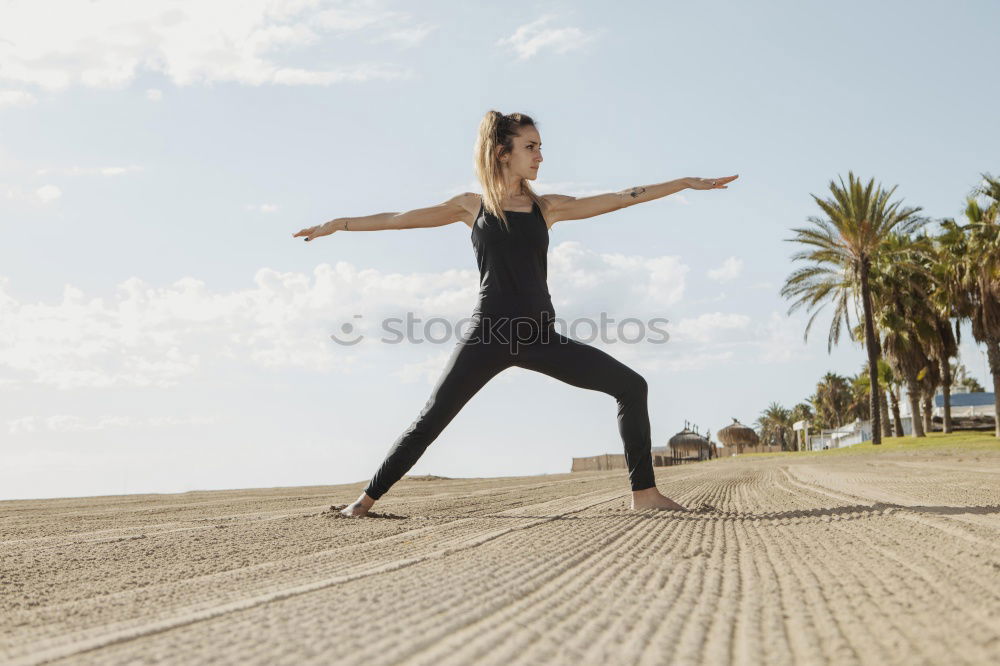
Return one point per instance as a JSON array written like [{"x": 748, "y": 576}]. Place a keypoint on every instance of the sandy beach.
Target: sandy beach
[{"x": 872, "y": 559}]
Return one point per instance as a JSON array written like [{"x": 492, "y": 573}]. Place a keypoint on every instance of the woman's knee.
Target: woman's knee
[
  {"x": 641, "y": 385},
  {"x": 634, "y": 384}
]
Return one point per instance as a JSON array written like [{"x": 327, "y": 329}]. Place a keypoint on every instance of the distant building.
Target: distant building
[
  {"x": 965, "y": 405},
  {"x": 853, "y": 433}
]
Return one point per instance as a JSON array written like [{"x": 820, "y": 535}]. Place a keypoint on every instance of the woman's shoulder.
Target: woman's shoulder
[{"x": 470, "y": 203}]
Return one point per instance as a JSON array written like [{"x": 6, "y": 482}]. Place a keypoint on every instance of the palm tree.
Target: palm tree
[
  {"x": 802, "y": 411},
  {"x": 859, "y": 406},
  {"x": 831, "y": 400},
  {"x": 899, "y": 285},
  {"x": 944, "y": 347},
  {"x": 929, "y": 381},
  {"x": 949, "y": 299},
  {"x": 989, "y": 187},
  {"x": 883, "y": 402},
  {"x": 775, "y": 426},
  {"x": 962, "y": 381},
  {"x": 843, "y": 247},
  {"x": 887, "y": 378},
  {"x": 901, "y": 282},
  {"x": 980, "y": 275},
  {"x": 884, "y": 377},
  {"x": 904, "y": 352}
]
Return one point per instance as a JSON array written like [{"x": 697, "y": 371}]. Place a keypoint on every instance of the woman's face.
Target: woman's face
[{"x": 526, "y": 156}]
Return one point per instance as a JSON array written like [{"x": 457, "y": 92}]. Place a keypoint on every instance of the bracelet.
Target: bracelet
[{"x": 346, "y": 222}]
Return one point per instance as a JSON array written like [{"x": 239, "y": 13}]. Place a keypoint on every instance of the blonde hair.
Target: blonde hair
[{"x": 497, "y": 130}]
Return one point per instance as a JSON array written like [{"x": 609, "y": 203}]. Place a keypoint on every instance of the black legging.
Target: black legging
[{"x": 480, "y": 355}]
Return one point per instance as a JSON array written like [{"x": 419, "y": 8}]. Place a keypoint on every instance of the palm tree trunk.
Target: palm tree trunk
[
  {"x": 993, "y": 354},
  {"x": 913, "y": 395},
  {"x": 928, "y": 413},
  {"x": 946, "y": 384},
  {"x": 884, "y": 403},
  {"x": 874, "y": 352},
  {"x": 897, "y": 420}
]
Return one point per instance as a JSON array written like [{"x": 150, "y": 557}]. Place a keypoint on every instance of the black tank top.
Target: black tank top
[{"x": 512, "y": 264}]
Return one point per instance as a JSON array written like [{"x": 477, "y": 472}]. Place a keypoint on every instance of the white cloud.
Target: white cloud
[
  {"x": 406, "y": 37},
  {"x": 776, "y": 339},
  {"x": 48, "y": 193},
  {"x": 533, "y": 37},
  {"x": 683, "y": 362},
  {"x": 154, "y": 94},
  {"x": 148, "y": 336},
  {"x": 716, "y": 338},
  {"x": 708, "y": 327},
  {"x": 262, "y": 208},
  {"x": 9, "y": 163},
  {"x": 158, "y": 336},
  {"x": 730, "y": 269},
  {"x": 347, "y": 16},
  {"x": 89, "y": 171},
  {"x": 12, "y": 98},
  {"x": 779, "y": 339},
  {"x": 73, "y": 423},
  {"x": 117, "y": 171},
  {"x": 634, "y": 286},
  {"x": 721, "y": 296},
  {"x": 107, "y": 44}
]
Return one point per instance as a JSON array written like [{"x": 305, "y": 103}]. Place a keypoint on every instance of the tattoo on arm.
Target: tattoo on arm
[{"x": 631, "y": 193}]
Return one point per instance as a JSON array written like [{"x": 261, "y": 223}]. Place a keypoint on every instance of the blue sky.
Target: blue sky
[{"x": 161, "y": 331}]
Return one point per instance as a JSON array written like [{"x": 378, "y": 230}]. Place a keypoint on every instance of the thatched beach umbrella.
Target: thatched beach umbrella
[
  {"x": 738, "y": 436},
  {"x": 689, "y": 445}
]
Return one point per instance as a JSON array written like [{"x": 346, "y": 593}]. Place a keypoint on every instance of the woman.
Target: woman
[{"x": 512, "y": 321}]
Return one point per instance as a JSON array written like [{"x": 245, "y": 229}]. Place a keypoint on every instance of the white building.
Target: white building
[{"x": 846, "y": 435}]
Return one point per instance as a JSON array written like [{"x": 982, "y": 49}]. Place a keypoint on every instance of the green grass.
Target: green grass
[
  {"x": 964, "y": 440},
  {"x": 936, "y": 442}
]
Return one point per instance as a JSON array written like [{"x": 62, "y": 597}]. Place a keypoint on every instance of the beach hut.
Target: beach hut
[
  {"x": 736, "y": 437},
  {"x": 687, "y": 445}
]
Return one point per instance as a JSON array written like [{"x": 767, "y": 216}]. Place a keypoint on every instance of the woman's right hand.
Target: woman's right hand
[
  {"x": 710, "y": 183},
  {"x": 324, "y": 229}
]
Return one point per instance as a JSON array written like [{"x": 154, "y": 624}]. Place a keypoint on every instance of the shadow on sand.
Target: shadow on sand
[{"x": 708, "y": 512}]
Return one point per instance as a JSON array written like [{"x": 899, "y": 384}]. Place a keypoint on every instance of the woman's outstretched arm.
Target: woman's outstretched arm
[
  {"x": 455, "y": 209},
  {"x": 563, "y": 207}
]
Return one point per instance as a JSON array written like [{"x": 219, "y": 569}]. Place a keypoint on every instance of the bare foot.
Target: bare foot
[
  {"x": 359, "y": 508},
  {"x": 651, "y": 498}
]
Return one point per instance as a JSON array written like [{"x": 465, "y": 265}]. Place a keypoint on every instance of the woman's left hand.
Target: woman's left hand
[{"x": 710, "y": 183}]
